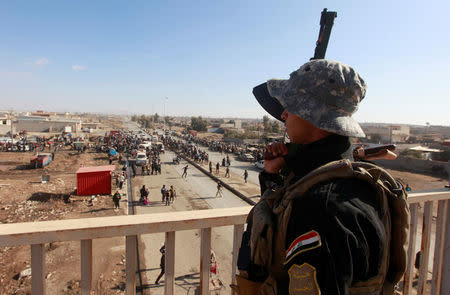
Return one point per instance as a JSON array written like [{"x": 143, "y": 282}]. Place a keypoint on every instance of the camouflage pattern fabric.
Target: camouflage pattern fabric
[{"x": 324, "y": 92}]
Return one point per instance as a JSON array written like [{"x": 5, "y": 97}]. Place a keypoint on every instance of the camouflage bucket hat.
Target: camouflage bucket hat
[{"x": 326, "y": 93}]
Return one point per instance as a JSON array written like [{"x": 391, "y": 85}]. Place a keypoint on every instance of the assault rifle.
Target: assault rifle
[
  {"x": 373, "y": 153},
  {"x": 326, "y": 23}
]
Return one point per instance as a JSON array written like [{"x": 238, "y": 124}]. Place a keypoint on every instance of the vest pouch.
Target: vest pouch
[
  {"x": 269, "y": 287},
  {"x": 263, "y": 228},
  {"x": 245, "y": 286}
]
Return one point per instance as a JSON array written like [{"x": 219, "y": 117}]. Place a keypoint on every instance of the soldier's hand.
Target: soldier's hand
[{"x": 273, "y": 158}]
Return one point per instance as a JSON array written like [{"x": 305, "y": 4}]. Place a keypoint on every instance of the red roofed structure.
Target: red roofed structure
[{"x": 94, "y": 180}]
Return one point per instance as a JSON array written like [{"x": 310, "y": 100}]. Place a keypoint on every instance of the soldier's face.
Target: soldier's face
[{"x": 299, "y": 130}]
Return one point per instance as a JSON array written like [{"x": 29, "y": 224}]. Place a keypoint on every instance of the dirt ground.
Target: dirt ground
[{"x": 24, "y": 198}]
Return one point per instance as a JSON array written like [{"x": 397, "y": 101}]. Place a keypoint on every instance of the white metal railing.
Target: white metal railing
[{"x": 37, "y": 234}]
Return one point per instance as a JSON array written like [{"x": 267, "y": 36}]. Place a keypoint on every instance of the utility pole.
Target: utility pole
[{"x": 164, "y": 119}]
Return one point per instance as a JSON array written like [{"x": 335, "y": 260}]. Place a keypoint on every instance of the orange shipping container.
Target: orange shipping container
[{"x": 94, "y": 180}]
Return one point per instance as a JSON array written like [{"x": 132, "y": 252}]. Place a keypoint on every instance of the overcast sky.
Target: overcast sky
[{"x": 204, "y": 57}]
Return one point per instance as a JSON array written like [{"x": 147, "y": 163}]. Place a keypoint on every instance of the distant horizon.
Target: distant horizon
[{"x": 206, "y": 117}]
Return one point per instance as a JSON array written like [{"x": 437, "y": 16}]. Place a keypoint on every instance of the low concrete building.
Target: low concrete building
[
  {"x": 5, "y": 124},
  {"x": 385, "y": 133},
  {"x": 46, "y": 124}
]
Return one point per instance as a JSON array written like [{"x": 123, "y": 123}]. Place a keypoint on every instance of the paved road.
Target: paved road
[
  {"x": 195, "y": 192},
  {"x": 236, "y": 166}
]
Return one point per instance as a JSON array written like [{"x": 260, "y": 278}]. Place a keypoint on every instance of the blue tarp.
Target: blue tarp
[{"x": 112, "y": 152}]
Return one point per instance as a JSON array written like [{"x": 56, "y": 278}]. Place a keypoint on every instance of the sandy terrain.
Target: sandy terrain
[{"x": 24, "y": 198}]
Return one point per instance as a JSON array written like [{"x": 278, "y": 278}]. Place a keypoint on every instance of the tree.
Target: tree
[
  {"x": 266, "y": 123},
  {"x": 275, "y": 127},
  {"x": 198, "y": 124},
  {"x": 156, "y": 118}
]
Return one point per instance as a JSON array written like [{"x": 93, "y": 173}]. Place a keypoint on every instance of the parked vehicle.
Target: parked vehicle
[
  {"x": 247, "y": 157},
  {"x": 259, "y": 164},
  {"x": 141, "y": 159},
  {"x": 41, "y": 160},
  {"x": 160, "y": 147}
]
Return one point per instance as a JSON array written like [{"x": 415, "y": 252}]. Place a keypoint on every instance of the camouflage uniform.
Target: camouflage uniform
[{"x": 336, "y": 237}]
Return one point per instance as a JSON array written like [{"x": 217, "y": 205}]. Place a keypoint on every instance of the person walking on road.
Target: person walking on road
[
  {"x": 227, "y": 172},
  {"x": 217, "y": 168},
  {"x": 167, "y": 197},
  {"x": 173, "y": 193},
  {"x": 121, "y": 180},
  {"x": 185, "y": 168},
  {"x": 210, "y": 167},
  {"x": 144, "y": 193},
  {"x": 163, "y": 193},
  {"x": 116, "y": 200},
  {"x": 219, "y": 192},
  {"x": 245, "y": 175},
  {"x": 133, "y": 168},
  {"x": 162, "y": 263}
]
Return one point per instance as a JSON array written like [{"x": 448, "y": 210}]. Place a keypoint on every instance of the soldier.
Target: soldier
[{"x": 323, "y": 226}]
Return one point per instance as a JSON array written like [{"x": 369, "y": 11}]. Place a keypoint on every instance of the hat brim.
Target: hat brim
[
  {"x": 325, "y": 118},
  {"x": 268, "y": 102}
]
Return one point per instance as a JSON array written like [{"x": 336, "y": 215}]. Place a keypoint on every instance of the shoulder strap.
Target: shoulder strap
[{"x": 337, "y": 169}]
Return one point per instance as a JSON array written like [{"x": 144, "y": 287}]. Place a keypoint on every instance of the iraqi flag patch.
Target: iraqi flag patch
[{"x": 303, "y": 243}]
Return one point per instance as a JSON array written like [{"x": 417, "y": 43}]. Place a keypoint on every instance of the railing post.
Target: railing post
[
  {"x": 441, "y": 225},
  {"x": 170, "y": 263},
  {"x": 38, "y": 269},
  {"x": 445, "y": 286},
  {"x": 425, "y": 246},
  {"x": 86, "y": 267},
  {"x": 205, "y": 254},
  {"x": 131, "y": 242},
  {"x": 237, "y": 237},
  {"x": 409, "y": 274}
]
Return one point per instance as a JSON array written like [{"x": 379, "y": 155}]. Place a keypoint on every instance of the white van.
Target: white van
[
  {"x": 141, "y": 159},
  {"x": 145, "y": 145}
]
